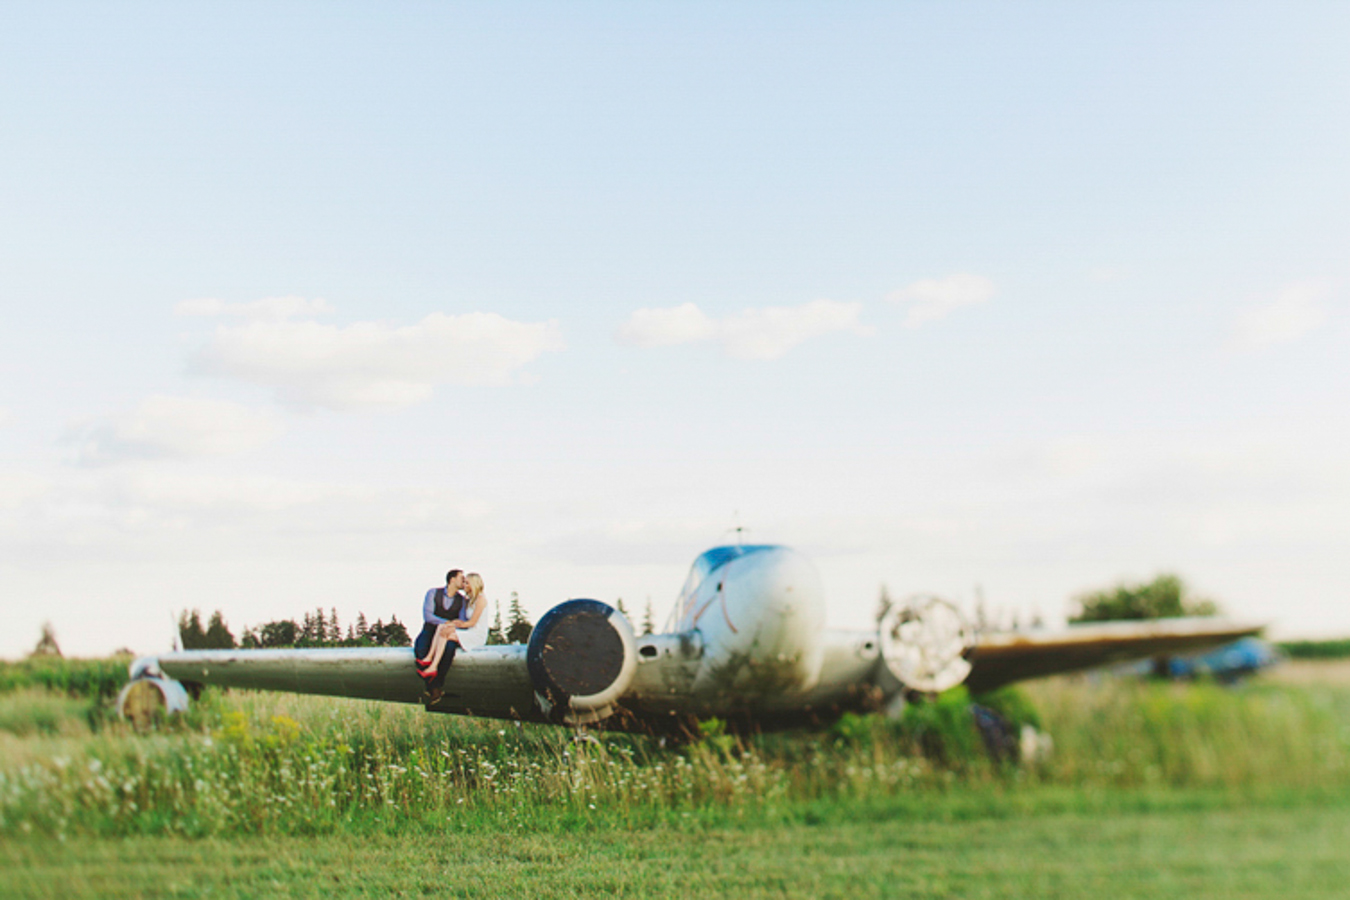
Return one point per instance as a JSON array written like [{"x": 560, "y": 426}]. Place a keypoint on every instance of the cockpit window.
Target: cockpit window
[{"x": 707, "y": 563}]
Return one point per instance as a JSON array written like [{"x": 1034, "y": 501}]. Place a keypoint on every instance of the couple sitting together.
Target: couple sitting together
[{"x": 450, "y": 622}]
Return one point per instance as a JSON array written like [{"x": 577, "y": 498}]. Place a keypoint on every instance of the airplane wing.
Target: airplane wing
[
  {"x": 1000, "y": 659},
  {"x": 490, "y": 681},
  {"x": 581, "y": 659}
]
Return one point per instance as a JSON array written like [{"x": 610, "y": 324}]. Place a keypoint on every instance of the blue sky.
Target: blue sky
[{"x": 301, "y": 306}]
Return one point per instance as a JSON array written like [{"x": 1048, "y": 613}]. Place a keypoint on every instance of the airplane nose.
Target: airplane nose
[
  {"x": 790, "y": 594},
  {"x": 760, "y": 631}
]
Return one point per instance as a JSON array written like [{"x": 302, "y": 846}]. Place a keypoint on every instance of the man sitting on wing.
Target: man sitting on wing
[{"x": 442, "y": 608}]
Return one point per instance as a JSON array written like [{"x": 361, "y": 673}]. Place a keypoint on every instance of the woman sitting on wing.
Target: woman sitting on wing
[{"x": 462, "y": 632}]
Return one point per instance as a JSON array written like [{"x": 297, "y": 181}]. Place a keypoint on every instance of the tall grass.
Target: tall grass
[
  {"x": 269, "y": 763},
  {"x": 97, "y": 678},
  {"x": 37, "y": 711},
  {"x": 1119, "y": 732}
]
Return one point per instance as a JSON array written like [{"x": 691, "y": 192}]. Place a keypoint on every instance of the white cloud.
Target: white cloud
[
  {"x": 931, "y": 299},
  {"x": 176, "y": 427},
  {"x": 765, "y": 333},
  {"x": 373, "y": 364},
  {"x": 769, "y": 333},
  {"x": 160, "y": 493},
  {"x": 17, "y": 488},
  {"x": 268, "y": 308},
  {"x": 4, "y": 416},
  {"x": 145, "y": 497},
  {"x": 666, "y": 327},
  {"x": 1294, "y": 312},
  {"x": 91, "y": 506}
]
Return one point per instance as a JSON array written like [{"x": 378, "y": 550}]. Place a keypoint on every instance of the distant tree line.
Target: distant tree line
[
  {"x": 1330, "y": 649},
  {"x": 320, "y": 629},
  {"x": 316, "y": 629}
]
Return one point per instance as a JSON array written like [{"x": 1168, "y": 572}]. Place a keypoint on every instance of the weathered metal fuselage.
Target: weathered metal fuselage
[{"x": 749, "y": 641}]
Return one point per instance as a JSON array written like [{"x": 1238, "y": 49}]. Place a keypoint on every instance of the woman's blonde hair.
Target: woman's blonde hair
[{"x": 475, "y": 585}]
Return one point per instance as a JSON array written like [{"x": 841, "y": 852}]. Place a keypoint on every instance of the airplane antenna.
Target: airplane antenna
[{"x": 739, "y": 530}]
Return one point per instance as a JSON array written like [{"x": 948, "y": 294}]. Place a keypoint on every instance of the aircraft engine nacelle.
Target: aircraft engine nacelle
[
  {"x": 581, "y": 658},
  {"x": 925, "y": 642},
  {"x": 149, "y": 694}
]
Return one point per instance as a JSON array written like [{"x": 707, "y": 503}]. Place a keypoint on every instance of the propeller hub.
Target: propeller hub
[{"x": 925, "y": 642}]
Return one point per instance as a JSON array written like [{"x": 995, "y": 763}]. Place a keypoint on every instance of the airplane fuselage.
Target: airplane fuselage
[{"x": 748, "y": 639}]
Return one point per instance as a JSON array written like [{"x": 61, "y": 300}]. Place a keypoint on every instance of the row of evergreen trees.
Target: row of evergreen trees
[
  {"x": 648, "y": 621},
  {"x": 320, "y": 629},
  {"x": 317, "y": 629}
]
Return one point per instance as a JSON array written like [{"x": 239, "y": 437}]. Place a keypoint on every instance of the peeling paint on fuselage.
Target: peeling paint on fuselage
[{"x": 759, "y": 617}]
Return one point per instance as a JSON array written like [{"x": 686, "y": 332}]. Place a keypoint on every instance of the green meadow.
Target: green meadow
[
  {"x": 1193, "y": 845},
  {"x": 1150, "y": 788}
]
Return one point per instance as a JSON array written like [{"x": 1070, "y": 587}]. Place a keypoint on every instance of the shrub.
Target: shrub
[{"x": 1163, "y": 597}]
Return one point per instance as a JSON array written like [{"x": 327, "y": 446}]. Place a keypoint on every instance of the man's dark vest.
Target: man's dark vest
[{"x": 452, "y": 611}]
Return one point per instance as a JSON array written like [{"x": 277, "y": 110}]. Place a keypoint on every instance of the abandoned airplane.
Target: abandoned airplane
[{"x": 747, "y": 644}]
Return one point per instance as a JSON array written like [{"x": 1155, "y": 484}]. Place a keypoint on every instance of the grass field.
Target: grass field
[
  {"x": 1152, "y": 790},
  {"x": 1187, "y": 845}
]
